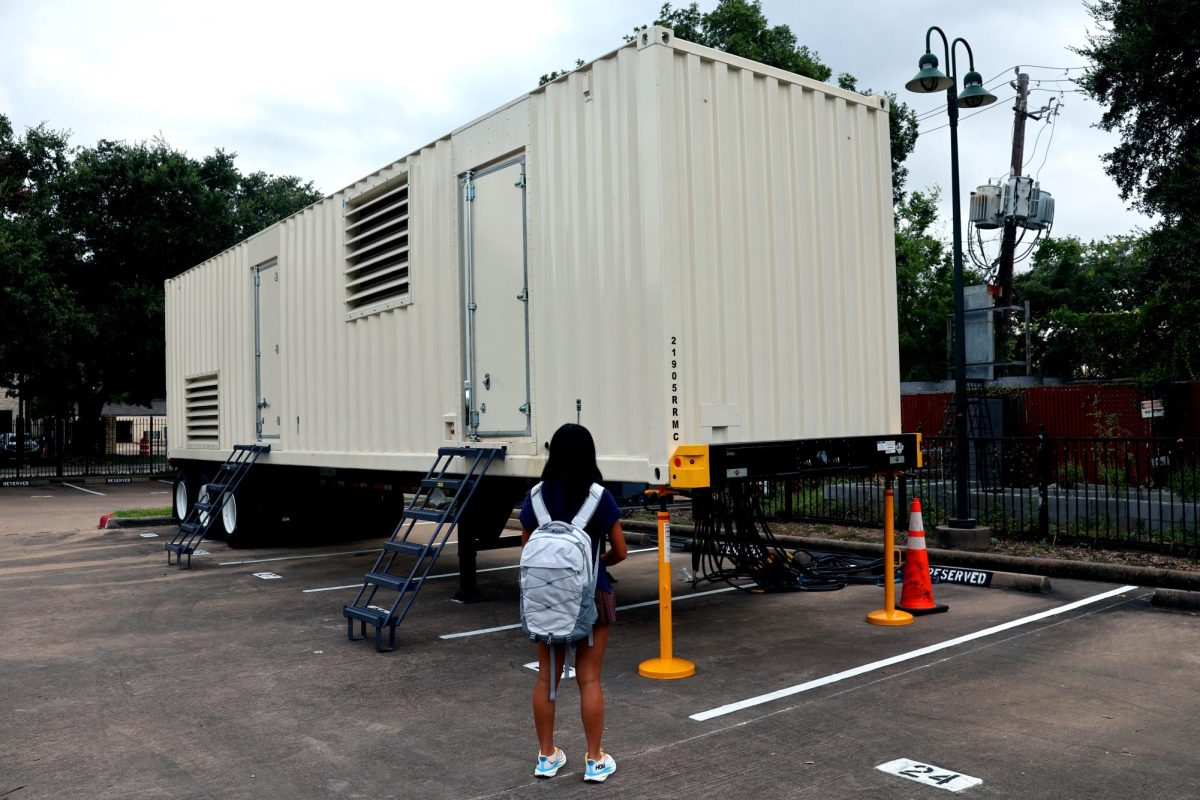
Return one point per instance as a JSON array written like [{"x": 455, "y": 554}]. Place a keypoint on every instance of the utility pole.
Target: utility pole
[{"x": 1008, "y": 244}]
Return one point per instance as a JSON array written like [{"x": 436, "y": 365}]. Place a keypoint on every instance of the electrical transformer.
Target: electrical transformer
[{"x": 987, "y": 211}]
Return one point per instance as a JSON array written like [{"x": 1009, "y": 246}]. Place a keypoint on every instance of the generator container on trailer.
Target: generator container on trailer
[{"x": 669, "y": 244}]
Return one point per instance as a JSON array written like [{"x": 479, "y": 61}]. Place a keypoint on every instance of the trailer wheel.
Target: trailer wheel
[
  {"x": 184, "y": 493},
  {"x": 234, "y": 523}
]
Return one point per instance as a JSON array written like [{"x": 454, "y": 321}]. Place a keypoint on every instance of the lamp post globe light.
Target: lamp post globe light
[{"x": 930, "y": 79}]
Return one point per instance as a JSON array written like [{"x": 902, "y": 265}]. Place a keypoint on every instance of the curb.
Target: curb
[
  {"x": 1028, "y": 569},
  {"x": 1173, "y": 598},
  {"x": 108, "y": 522}
]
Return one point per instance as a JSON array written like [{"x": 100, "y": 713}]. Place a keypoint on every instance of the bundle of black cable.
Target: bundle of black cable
[{"x": 734, "y": 544}]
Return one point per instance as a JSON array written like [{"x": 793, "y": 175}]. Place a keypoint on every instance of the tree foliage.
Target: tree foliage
[
  {"x": 924, "y": 289},
  {"x": 87, "y": 237},
  {"x": 1145, "y": 71},
  {"x": 1088, "y": 298}
]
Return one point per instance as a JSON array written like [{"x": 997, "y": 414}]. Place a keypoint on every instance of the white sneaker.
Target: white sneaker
[
  {"x": 599, "y": 771},
  {"x": 548, "y": 766}
]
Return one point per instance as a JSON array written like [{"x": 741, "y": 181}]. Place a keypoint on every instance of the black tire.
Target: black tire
[
  {"x": 236, "y": 523},
  {"x": 183, "y": 494}
]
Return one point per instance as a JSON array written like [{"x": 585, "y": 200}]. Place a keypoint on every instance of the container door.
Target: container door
[
  {"x": 266, "y": 350},
  {"x": 497, "y": 335}
]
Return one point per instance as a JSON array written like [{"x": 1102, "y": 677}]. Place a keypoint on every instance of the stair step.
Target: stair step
[
  {"x": 204, "y": 506},
  {"x": 217, "y": 487},
  {"x": 424, "y": 514},
  {"x": 412, "y": 548},
  {"x": 396, "y": 583},
  {"x": 371, "y": 616},
  {"x": 253, "y": 448},
  {"x": 453, "y": 484},
  {"x": 178, "y": 547},
  {"x": 471, "y": 452},
  {"x": 190, "y": 527}
]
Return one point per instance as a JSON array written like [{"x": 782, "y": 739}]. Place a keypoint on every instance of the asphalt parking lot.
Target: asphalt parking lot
[{"x": 123, "y": 677}]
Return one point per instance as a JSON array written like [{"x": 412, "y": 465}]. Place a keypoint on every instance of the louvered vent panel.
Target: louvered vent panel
[
  {"x": 377, "y": 251},
  {"x": 200, "y": 411}
]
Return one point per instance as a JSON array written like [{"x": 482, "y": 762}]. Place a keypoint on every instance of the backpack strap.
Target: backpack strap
[
  {"x": 539, "y": 505},
  {"x": 589, "y": 506}
]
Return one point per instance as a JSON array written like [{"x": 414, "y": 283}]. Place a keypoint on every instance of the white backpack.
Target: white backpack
[{"x": 558, "y": 576}]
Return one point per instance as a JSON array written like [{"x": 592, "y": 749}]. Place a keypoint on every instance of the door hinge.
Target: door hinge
[
  {"x": 524, "y": 409},
  {"x": 258, "y": 279},
  {"x": 523, "y": 295},
  {"x": 520, "y": 182},
  {"x": 470, "y": 192},
  {"x": 471, "y": 306}
]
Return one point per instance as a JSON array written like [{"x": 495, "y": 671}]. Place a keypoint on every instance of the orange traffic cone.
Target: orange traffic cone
[{"x": 917, "y": 595}]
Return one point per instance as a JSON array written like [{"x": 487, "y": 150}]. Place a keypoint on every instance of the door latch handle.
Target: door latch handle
[{"x": 487, "y": 381}]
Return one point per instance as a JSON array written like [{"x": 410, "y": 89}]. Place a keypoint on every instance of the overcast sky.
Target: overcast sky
[{"x": 330, "y": 92}]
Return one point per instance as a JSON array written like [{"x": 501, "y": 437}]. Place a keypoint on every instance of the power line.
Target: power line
[{"x": 968, "y": 116}]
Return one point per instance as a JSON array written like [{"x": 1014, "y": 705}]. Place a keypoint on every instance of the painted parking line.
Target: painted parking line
[
  {"x": 446, "y": 574},
  {"x": 295, "y": 558},
  {"x": 80, "y": 488},
  {"x": 730, "y": 708},
  {"x": 675, "y": 599}
]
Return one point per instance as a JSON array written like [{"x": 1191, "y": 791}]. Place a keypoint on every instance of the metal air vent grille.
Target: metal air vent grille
[
  {"x": 200, "y": 411},
  {"x": 377, "y": 249}
]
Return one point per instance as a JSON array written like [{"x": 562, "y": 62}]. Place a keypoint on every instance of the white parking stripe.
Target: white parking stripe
[
  {"x": 80, "y": 488},
  {"x": 295, "y": 558},
  {"x": 431, "y": 577},
  {"x": 887, "y": 662},
  {"x": 619, "y": 608}
]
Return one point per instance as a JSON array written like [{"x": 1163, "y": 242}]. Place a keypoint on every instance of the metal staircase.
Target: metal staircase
[
  {"x": 440, "y": 499},
  {"x": 203, "y": 515},
  {"x": 984, "y": 451}
]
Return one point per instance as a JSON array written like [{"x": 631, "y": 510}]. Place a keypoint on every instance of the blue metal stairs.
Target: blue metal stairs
[
  {"x": 203, "y": 515},
  {"x": 440, "y": 499}
]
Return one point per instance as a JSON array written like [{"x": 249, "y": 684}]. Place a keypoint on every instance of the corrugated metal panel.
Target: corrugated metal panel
[
  {"x": 709, "y": 258},
  {"x": 925, "y": 413}
]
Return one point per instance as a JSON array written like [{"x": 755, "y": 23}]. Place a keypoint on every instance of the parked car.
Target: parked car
[{"x": 9, "y": 441}]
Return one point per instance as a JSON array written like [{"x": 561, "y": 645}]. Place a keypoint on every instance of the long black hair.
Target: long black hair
[{"x": 572, "y": 462}]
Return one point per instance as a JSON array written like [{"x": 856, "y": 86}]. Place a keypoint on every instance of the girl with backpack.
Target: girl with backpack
[{"x": 567, "y": 480}]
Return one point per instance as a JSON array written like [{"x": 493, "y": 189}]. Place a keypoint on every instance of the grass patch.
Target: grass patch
[{"x": 137, "y": 513}]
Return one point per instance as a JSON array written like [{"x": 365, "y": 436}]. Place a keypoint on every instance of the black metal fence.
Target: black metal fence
[
  {"x": 1107, "y": 492},
  {"x": 72, "y": 448}
]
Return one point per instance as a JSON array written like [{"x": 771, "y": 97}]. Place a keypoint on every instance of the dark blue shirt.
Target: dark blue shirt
[{"x": 598, "y": 528}]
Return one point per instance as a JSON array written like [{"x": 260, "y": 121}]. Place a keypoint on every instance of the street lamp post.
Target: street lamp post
[{"x": 928, "y": 80}]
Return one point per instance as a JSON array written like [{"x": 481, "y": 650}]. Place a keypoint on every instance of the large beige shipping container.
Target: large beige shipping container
[{"x": 670, "y": 245}]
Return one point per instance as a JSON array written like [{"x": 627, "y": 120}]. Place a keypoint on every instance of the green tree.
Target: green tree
[
  {"x": 1145, "y": 71},
  {"x": 37, "y": 313},
  {"x": 138, "y": 214},
  {"x": 87, "y": 237},
  {"x": 739, "y": 27},
  {"x": 924, "y": 284},
  {"x": 1090, "y": 320}
]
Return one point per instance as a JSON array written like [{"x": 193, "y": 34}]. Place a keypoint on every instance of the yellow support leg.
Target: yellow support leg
[
  {"x": 889, "y": 614},
  {"x": 666, "y": 666}
]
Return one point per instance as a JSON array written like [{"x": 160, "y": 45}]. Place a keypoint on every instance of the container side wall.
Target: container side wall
[
  {"x": 785, "y": 262},
  {"x": 593, "y": 194}
]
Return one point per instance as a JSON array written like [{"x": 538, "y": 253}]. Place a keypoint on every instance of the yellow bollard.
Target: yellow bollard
[
  {"x": 889, "y": 614},
  {"x": 666, "y": 666}
]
